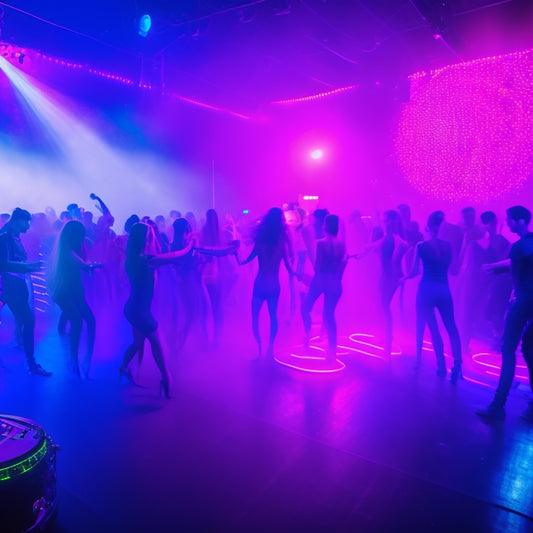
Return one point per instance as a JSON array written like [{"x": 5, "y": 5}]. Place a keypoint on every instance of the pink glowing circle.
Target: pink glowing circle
[
  {"x": 317, "y": 154},
  {"x": 466, "y": 133}
]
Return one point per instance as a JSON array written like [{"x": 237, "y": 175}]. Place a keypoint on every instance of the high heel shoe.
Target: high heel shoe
[
  {"x": 126, "y": 372},
  {"x": 164, "y": 388},
  {"x": 456, "y": 375}
]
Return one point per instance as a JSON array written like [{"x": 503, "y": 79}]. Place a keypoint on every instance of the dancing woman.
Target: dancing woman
[
  {"x": 140, "y": 270},
  {"x": 270, "y": 247},
  {"x": 391, "y": 248},
  {"x": 211, "y": 273},
  {"x": 189, "y": 281},
  {"x": 329, "y": 266},
  {"x": 69, "y": 294},
  {"x": 434, "y": 291}
]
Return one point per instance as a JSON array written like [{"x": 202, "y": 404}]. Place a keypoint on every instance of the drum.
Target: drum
[{"x": 28, "y": 485}]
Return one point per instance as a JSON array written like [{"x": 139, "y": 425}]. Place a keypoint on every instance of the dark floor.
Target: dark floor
[{"x": 247, "y": 445}]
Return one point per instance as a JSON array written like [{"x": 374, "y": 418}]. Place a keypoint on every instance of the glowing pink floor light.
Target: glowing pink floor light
[
  {"x": 317, "y": 363},
  {"x": 308, "y": 362}
]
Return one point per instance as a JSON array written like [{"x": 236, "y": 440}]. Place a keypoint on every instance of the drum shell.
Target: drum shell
[{"x": 30, "y": 496}]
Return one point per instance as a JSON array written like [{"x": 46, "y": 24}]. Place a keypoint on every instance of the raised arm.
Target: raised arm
[{"x": 100, "y": 206}]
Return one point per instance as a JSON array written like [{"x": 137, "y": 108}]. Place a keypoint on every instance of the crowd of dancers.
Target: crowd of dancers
[{"x": 490, "y": 279}]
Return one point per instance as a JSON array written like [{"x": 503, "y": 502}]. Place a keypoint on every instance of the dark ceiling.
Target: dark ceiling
[{"x": 247, "y": 54}]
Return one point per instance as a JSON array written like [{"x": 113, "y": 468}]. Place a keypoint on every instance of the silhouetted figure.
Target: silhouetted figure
[
  {"x": 189, "y": 282},
  {"x": 75, "y": 211},
  {"x": 140, "y": 268},
  {"x": 163, "y": 237},
  {"x": 191, "y": 219},
  {"x": 391, "y": 249},
  {"x": 211, "y": 274},
  {"x": 64, "y": 217},
  {"x": 270, "y": 248},
  {"x": 434, "y": 292},
  {"x": 4, "y": 219},
  {"x": 68, "y": 292},
  {"x": 453, "y": 234},
  {"x": 90, "y": 226},
  {"x": 329, "y": 267},
  {"x": 520, "y": 309},
  {"x": 15, "y": 278},
  {"x": 497, "y": 288}
]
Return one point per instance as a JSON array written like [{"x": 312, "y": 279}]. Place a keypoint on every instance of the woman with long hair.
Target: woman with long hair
[
  {"x": 67, "y": 291},
  {"x": 435, "y": 255},
  {"x": 391, "y": 249},
  {"x": 329, "y": 266},
  {"x": 189, "y": 282},
  {"x": 211, "y": 273},
  {"x": 140, "y": 268},
  {"x": 270, "y": 247}
]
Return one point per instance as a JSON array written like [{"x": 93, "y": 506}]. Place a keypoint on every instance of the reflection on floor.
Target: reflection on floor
[{"x": 253, "y": 445}]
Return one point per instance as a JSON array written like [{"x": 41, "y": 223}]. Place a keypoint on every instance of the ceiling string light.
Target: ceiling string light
[{"x": 467, "y": 131}]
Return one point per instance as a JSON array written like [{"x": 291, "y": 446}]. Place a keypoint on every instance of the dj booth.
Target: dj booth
[{"x": 28, "y": 485}]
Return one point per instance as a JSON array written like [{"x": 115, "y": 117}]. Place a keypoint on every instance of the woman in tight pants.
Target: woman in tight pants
[
  {"x": 434, "y": 292},
  {"x": 329, "y": 267}
]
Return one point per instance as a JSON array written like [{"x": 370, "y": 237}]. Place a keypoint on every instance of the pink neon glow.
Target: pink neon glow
[
  {"x": 315, "y": 365},
  {"x": 317, "y": 96},
  {"x": 494, "y": 364},
  {"x": 476, "y": 145},
  {"x": 353, "y": 338},
  {"x": 317, "y": 154}
]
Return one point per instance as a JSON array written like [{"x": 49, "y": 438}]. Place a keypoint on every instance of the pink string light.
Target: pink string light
[
  {"x": 466, "y": 132},
  {"x": 317, "y": 96},
  {"x": 125, "y": 81}
]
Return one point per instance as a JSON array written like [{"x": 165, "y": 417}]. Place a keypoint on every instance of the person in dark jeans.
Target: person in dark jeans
[
  {"x": 14, "y": 268},
  {"x": 520, "y": 310},
  {"x": 436, "y": 256}
]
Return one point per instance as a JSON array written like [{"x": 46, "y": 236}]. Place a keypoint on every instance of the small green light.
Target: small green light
[{"x": 23, "y": 466}]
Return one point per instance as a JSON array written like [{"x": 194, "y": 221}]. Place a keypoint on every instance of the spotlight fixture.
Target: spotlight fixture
[
  {"x": 145, "y": 24},
  {"x": 21, "y": 58}
]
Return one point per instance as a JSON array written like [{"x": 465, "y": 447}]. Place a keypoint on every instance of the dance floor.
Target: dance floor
[{"x": 257, "y": 446}]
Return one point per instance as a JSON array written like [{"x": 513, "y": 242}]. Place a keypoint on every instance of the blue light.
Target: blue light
[
  {"x": 145, "y": 23},
  {"x": 245, "y": 211}
]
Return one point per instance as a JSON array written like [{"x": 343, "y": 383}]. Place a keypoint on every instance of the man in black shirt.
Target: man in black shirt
[
  {"x": 14, "y": 268},
  {"x": 520, "y": 310}
]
